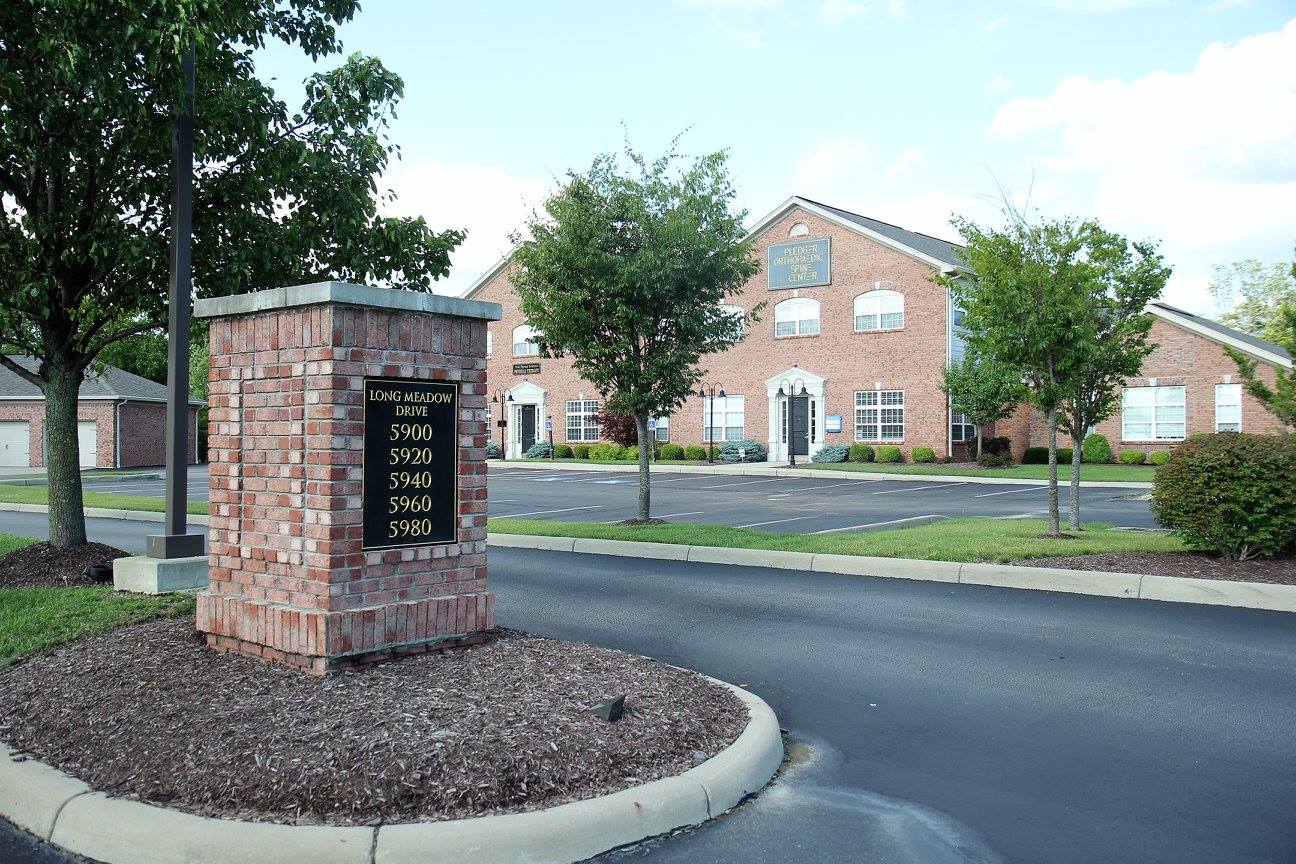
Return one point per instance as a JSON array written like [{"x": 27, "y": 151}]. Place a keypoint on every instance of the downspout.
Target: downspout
[
  {"x": 117, "y": 432},
  {"x": 949, "y": 356}
]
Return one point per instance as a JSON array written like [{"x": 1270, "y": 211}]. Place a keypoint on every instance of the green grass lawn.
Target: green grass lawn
[
  {"x": 36, "y": 620},
  {"x": 993, "y": 540},
  {"x": 111, "y": 500}
]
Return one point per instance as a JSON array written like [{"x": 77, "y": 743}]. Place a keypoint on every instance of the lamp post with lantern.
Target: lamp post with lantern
[
  {"x": 504, "y": 401},
  {"x": 709, "y": 392}
]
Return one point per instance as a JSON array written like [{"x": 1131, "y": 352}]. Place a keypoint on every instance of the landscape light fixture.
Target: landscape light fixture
[
  {"x": 502, "y": 420},
  {"x": 708, "y": 393},
  {"x": 610, "y": 709}
]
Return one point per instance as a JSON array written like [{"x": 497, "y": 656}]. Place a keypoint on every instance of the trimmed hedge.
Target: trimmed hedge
[
  {"x": 998, "y": 444},
  {"x": 1096, "y": 450},
  {"x": 1133, "y": 457},
  {"x": 1232, "y": 492},
  {"x": 1159, "y": 457},
  {"x": 1064, "y": 455},
  {"x": 861, "y": 453},
  {"x": 539, "y": 450},
  {"x": 604, "y": 452},
  {"x": 563, "y": 451},
  {"x": 695, "y": 452},
  {"x": 1039, "y": 456},
  {"x": 994, "y": 460},
  {"x": 493, "y": 451},
  {"x": 672, "y": 451},
  {"x": 922, "y": 454},
  {"x": 743, "y": 450},
  {"x": 630, "y": 451},
  {"x": 580, "y": 451},
  {"x": 888, "y": 454},
  {"x": 831, "y": 453}
]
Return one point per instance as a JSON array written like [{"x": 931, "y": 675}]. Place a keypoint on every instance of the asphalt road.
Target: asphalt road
[
  {"x": 767, "y": 503},
  {"x": 954, "y": 723}
]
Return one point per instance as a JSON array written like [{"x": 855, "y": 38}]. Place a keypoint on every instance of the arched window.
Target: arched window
[
  {"x": 796, "y": 317},
  {"x": 524, "y": 341},
  {"x": 879, "y": 310}
]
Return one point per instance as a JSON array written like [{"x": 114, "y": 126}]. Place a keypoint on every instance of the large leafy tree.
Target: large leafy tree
[
  {"x": 1280, "y": 399},
  {"x": 87, "y": 94},
  {"x": 983, "y": 389},
  {"x": 1253, "y": 295},
  {"x": 627, "y": 271}
]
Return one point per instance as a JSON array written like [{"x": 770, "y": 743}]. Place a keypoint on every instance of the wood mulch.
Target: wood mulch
[
  {"x": 150, "y": 713},
  {"x": 1197, "y": 565},
  {"x": 41, "y": 565}
]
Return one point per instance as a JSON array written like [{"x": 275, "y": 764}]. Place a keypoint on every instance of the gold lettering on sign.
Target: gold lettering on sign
[{"x": 800, "y": 261}]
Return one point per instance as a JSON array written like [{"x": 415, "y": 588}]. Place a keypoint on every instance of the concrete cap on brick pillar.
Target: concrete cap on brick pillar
[{"x": 347, "y": 294}]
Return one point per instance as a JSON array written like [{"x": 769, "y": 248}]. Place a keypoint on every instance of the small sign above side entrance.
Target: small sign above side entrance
[
  {"x": 526, "y": 368},
  {"x": 799, "y": 264}
]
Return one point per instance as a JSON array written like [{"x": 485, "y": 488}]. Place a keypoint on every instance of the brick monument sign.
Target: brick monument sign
[{"x": 348, "y": 474}]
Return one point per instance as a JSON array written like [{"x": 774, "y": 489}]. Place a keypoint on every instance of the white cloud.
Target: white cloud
[
  {"x": 1204, "y": 160},
  {"x": 1000, "y": 83},
  {"x": 485, "y": 200},
  {"x": 829, "y": 161},
  {"x": 732, "y": 4}
]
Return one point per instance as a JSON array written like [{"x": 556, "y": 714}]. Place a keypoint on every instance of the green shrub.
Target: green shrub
[
  {"x": 1133, "y": 457},
  {"x": 888, "y": 454},
  {"x": 994, "y": 460},
  {"x": 604, "y": 452},
  {"x": 671, "y": 451},
  {"x": 493, "y": 451},
  {"x": 998, "y": 444},
  {"x": 742, "y": 450},
  {"x": 1096, "y": 450},
  {"x": 580, "y": 451},
  {"x": 1231, "y": 492},
  {"x": 1064, "y": 455},
  {"x": 539, "y": 450},
  {"x": 1035, "y": 456},
  {"x": 831, "y": 453},
  {"x": 922, "y": 454},
  {"x": 695, "y": 452},
  {"x": 1159, "y": 457},
  {"x": 630, "y": 451},
  {"x": 563, "y": 451},
  {"x": 861, "y": 453}
]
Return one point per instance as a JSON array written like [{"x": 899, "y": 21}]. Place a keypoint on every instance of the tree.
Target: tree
[
  {"x": 1280, "y": 400},
  {"x": 617, "y": 428},
  {"x": 1253, "y": 295},
  {"x": 628, "y": 271},
  {"x": 983, "y": 389},
  {"x": 1034, "y": 299},
  {"x": 1123, "y": 279},
  {"x": 87, "y": 93}
]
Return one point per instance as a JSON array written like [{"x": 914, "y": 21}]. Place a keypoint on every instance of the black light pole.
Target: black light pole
[
  {"x": 501, "y": 422},
  {"x": 708, "y": 392},
  {"x": 177, "y": 542}
]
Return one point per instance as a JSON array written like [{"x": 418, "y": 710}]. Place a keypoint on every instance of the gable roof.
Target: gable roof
[
  {"x": 1217, "y": 332},
  {"x": 112, "y": 383}
]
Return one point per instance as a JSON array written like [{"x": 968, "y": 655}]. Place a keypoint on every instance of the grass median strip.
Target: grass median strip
[
  {"x": 1094, "y": 473},
  {"x": 990, "y": 540},
  {"x": 108, "y": 500}
]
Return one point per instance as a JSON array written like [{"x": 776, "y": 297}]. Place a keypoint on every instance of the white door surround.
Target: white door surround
[
  {"x": 521, "y": 394},
  {"x": 792, "y": 381}
]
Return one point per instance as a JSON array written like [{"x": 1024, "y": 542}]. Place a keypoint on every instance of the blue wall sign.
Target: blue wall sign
[
  {"x": 799, "y": 264},
  {"x": 832, "y": 422}
]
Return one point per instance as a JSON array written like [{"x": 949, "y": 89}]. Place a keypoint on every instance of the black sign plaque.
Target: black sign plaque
[
  {"x": 410, "y": 464},
  {"x": 526, "y": 368}
]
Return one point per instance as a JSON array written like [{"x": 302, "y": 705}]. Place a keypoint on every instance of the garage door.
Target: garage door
[
  {"x": 88, "y": 442},
  {"x": 14, "y": 438}
]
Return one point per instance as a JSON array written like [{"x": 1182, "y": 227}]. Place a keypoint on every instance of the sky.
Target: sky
[{"x": 1171, "y": 121}]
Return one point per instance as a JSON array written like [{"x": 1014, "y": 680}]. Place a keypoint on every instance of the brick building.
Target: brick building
[
  {"x": 850, "y": 347},
  {"x": 121, "y": 420}
]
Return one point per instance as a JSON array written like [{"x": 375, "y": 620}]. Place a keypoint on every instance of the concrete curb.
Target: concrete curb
[
  {"x": 1133, "y": 586},
  {"x": 756, "y": 470},
  {"x": 105, "y": 513},
  {"x": 66, "y": 812}
]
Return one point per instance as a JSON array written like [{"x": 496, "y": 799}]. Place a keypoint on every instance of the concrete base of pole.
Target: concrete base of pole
[
  {"x": 144, "y": 575},
  {"x": 175, "y": 545}
]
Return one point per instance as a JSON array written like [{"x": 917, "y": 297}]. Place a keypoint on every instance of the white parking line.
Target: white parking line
[
  {"x": 923, "y": 489},
  {"x": 745, "y": 483},
  {"x": 1010, "y": 491},
  {"x": 838, "y": 485},
  {"x": 876, "y": 524},
  {"x": 539, "y": 512},
  {"x": 773, "y": 522},
  {"x": 673, "y": 515}
]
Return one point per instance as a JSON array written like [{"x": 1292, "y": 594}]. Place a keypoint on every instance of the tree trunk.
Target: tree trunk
[
  {"x": 1055, "y": 516},
  {"x": 63, "y": 455},
  {"x": 1074, "y": 504},
  {"x": 645, "y": 479},
  {"x": 980, "y": 439}
]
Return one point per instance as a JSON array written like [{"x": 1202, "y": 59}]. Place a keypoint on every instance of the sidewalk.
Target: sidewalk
[{"x": 780, "y": 469}]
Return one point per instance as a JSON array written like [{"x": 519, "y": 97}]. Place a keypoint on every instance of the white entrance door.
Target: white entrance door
[
  {"x": 14, "y": 444},
  {"x": 88, "y": 443}
]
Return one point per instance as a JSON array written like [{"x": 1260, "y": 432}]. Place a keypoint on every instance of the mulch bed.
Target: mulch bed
[
  {"x": 1197, "y": 565},
  {"x": 40, "y": 565},
  {"x": 149, "y": 712}
]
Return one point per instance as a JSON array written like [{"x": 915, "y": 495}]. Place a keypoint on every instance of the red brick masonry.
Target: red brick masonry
[{"x": 288, "y": 579}]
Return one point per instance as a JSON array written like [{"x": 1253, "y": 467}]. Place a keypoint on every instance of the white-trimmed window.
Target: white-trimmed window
[
  {"x": 582, "y": 420},
  {"x": 723, "y": 418},
  {"x": 1228, "y": 407},
  {"x": 798, "y": 316},
  {"x": 879, "y": 310},
  {"x": 662, "y": 432},
  {"x": 490, "y": 343},
  {"x": 961, "y": 429},
  {"x": 524, "y": 341},
  {"x": 1153, "y": 414},
  {"x": 879, "y": 415}
]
